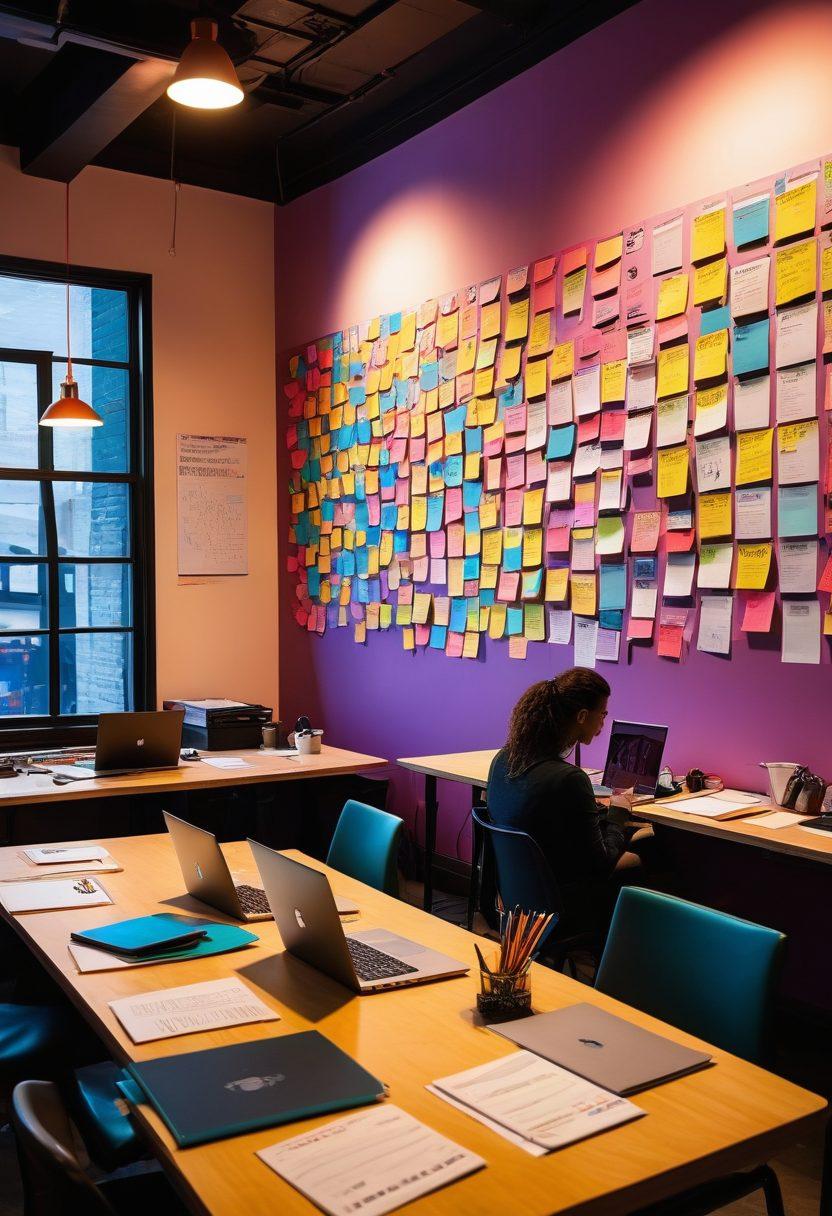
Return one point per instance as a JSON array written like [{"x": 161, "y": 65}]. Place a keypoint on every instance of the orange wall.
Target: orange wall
[{"x": 213, "y": 373}]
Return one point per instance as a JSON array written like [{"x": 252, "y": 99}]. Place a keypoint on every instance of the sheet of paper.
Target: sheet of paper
[
  {"x": 775, "y": 820},
  {"x": 534, "y": 1150},
  {"x": 667, "y": 250},
  {"x": 794, "y": 209},
  {"x": 672, "y": 421},
  {"x": 710, "y": 360},
  {"x": 537, "y": 1100},
  {"x": 58, "y": 854},
  {"x": 753, "y": 513},
  {"x": 715, "y": 615},
  {"x": 559, "y": 626},
  {"x": 715, "y": 562},
  {"x": 713, "y": 463},
  {"x": 801, "y": 631},
  {"x": 637, "y": 431},
  {"x": 798, "y": 566},
  {"x": 608, "y": 645},
  {"x": 749, "y": 288},
  {"x": 751, "y": 217},
  {"x": 586, "y": 640},
  {"x": 641, "y": 387},
  {"x": 711, "y": 410},
  {"x": 586, "y": 390},
  {"x": 169, "y": 1012},
  {"x": 226, "y": 762},
  {"x": 711, "y": 806},
  {"x": 798, "y": 456},
  {"x": 797, "y": 334},
  {"x": 679, "y": 572},
  {"x": 752, "y": 403},
  {"x": 36, "y": 896},
  {"x": 796, "y": 393},
  {"x": 341, "y": 1168},
  {"x": 673, "y": 370},
  {"x": 211, "y": 504},
  {"x": 795, "y": 271}
]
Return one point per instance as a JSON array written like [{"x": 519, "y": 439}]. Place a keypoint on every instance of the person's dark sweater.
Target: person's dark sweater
[{"x": 553, "y": 801}]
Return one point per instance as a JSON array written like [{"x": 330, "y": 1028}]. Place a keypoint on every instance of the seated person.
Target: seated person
[{"x": 532, "y": 787}]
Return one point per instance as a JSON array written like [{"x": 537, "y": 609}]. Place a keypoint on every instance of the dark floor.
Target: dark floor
[{"x": 802, "y": 1057}]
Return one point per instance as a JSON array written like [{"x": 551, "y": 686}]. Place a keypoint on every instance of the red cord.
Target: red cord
[{"x": 66, "y": 247}]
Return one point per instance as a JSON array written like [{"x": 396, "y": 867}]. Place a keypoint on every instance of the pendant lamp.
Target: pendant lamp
[
  {"x": 205, "y": 78},
  {"x": 69, "y": 409}
]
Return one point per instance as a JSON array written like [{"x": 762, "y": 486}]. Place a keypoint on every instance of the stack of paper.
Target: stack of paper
[
  {"x": 36, "y": 896},
  {"x": 727, "y": 804},
  {"x": 54, "y": 860}
]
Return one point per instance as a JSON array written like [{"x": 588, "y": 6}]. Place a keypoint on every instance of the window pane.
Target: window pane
[
  {"x": 18, "y": 415},
  {"x": 21, "y": 518},
  {"x": 23, "y": 597},
  {"x": 94, "y": 596},
  {"x": 24, "y": 676},
  {"x": 93, "y": 518},
  {"x": 33, "y": 317},
  {"x": 103, "y": 449},
  {"x": 96, "y": 672}
]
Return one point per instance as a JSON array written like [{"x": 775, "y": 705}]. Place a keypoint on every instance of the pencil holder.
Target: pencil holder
[{"x": 504, "y": 995}]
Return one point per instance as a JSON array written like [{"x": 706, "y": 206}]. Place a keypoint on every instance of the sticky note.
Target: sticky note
[
  {"x": 563, "y": 360},
  {"x": 751, "y": 217},
  {"x": 754, "y": 456},
  {"x": 645, "y": 535},
  {"x": 797, "y": 510},
  {"x": 613, "y": 380},
  {"x": 608, "y": 251},
  {"x": 613, "y": 590},
  {"x": 711, "y": 360},
  {"x": 794, "y": 210},
  {"x": 583, "y": 594},
  {"x": 759, "y": 609},
  {"x": 707, "y": 234},
  {"x": 753, "y": 565},
  {"x": 517, "y": 324},
  {"x": 557, "y": 584},
  {"x": 795, "y": 271},
  {"x": 536, "y": 378},
  {"x": 710, "y": 281},
  {"x": 561, "y": 442},
  {"x": 673, "y": 296},
  {"x": 574, "y": 287},
  {"x": 673, "y": 471},
  {"x": 533, "y": 506},
  {"x": 750, "y": 347},
  {"x": 715, "y": 514}
]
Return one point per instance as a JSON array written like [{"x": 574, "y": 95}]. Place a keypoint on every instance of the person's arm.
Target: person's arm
[{"x": 598, "y": 839}]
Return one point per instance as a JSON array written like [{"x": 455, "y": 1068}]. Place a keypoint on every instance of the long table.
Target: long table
[
  {"x": 727, "y": 1117},
  {"x": 471, "y": 768}
]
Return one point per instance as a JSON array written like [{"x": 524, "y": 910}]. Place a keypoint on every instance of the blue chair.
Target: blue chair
[
  {"x": 710, "y": 974},
  {"x": 365, "y": 845}
]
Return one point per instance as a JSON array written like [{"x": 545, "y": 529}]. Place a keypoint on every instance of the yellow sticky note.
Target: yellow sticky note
[
  {"x": 583, "y": 594},
  {"x": 470, "y": 645},
  {"x": 608, "y": 251},
  {"x": 673, "y": 296},
  {"x": 407, "y": 334},
  {"x": 673, "y": 370},
  {"x": 409, "y": 638},
  {"x": 517, "y": 325},
  {"x": 533, "y": 506},
  {"x": 574, "y": 287},
  {"x": 715, "y": 514},
  {"x": 754, "y": 456},
  {"x": 491, "y": 319},
  {"x": 509, "y": 364},
  {"x": 614, "y": 380},
  {"x": 708, "y": 235},
  {"x": 826, "y": 260},
  {"x": 534, "y": 628},
  {"x": 794, "y": 210},
  {"x": 466, "y": 355},
  {"x": 711, "y": 359},
  {"x": 497, "y": 620},
  {"x": 673, "y": 471},
  {"x": 536, "y": 381},
  {"x": 753, "y": 564},
  {"x": 492, "y": 547},
  {"x": 710, "y": 281},
  {"x": 827, "y": 621},
  {"x": 447, "y": 329},
  {"x": 563, "y": 360},
  {"x": 540, "y": 339},
  {"x": 557, "y": 585},
  {"x": 360, "y": 632},
  {"x": 418, "y": 514},
  {"x": 532, "y": 547},
  {"x": 484, "y": 382},
  {"x": 795, "y": 271}
]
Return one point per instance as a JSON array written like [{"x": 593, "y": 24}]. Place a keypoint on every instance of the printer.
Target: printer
[{"x": 215, "y": 724}]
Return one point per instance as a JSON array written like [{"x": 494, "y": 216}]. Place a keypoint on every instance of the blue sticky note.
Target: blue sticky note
[
  {"x": 514, "y": 621},
  {"x": 644, "y": 567},
  {"x": 714, "y": 320},
  {"x": 362, "y": 594},
  {"x": 453, "y": 471},
  {"x": 348, "y": 563},
  {"x": 358, "y": 394},
  {"x": 513, "y": 559},
  {"x": 751, "y": 347},
  {"x": 613, "y": 589},
  {"x": 313, "y": 581},
  {"x": 395, "y": 322},
  {"x": 510, "y": 396},
  {"x": 471, "y": 567},
  {"x": 487, "y": 597},
  {"x": 455, "y": 419},
  {"x": 389, "y": 515},
  {"x": 401, "y": 542},
  {"x": 472, "y": 524},
  {"x": 387, "y": 400},
  {"x": 561, "y": 442},
  {"x": 373, "y": 534},
  {"x": 473, "y": 439},
  {"x": 327, "y": 510},
  {"x": 459, "y": 612},
  {"x": 436, "y": 505},
  {"x": 471, "y": 495},
  {"x": 362, "y": 516},
  {"x": 610, "y": 618},
  {"x": 387, "y": 477},
  {"x": 438, "y": 637},
  {"x": 363, "y": 431},
  {"x": 797, "y": 510},
  {"x": 362, "y": 562},
  {"x": 429, "y": 377},
  {"x": 751, "y": 222},
  {"x": 401, "y": 392},
  {"x": 532, "y": 582}
]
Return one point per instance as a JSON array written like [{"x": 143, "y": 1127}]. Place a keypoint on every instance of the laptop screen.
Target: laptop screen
[{"x": 634, "y": 756}]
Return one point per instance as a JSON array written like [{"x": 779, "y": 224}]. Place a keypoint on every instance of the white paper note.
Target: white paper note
[
  {"x": 35, "y": 895},
  {"x": 560, "y": 403},
  {"x": 715, "y": 562},
  {"x": 797, "y": 393},
  {"x": 715, "y": 624},
  {"x": 797, "y": 334},
  {"x": 713, "y": 464},
  {"x": 587, "y": 460},
  {"x": 752, "y": 403},
  {"x": 749, "y": 288},
  {"x": 226, "y": 762},
  {"x": 56, "y": 854},
  {"x": 798, "y": 455},
  {"x": 801, "y": 631},
  {"x": 369, "y": 1163},
  {"x": 678, "y": 578},
  {"x": 586, "y": 390},
  {"x": 560, "y": 626},
  {"x": 640, "y": 344},
  {"x": 667, "y": 246},
  {"x": 798, "y": 566},
  {"x": 713, "y": 418},
  {"x": 753, "y": 513},
  {"x": 169, "y": 1012},
  {"x": 641, "y": 387},
  {"x": 672, "y": 421},
  {"x": 608, "y": 644},
  {"x": 586, "y": 639}
]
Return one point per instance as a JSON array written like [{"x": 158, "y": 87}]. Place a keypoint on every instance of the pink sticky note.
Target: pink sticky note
[
  {"x": 645, "y": 536},
  {"x": 325, "y": 357},
  {"x": 588, "y": 429},
  {"x": 614, "y": 346},
  {"x": 679, "y": 541},
  {"x": 507, "y": 586},
  {"x": 672, "y": 329},
  {"x": 436, "y": 543},
  {"x": 418, "y": 447},
  {"x": 456, "y": 540},
  {"x": 453, "y": 505},
  {"x": 557, "y": 540},
  {"x": 374, "y": 509},
  {"x": 640, "y": 466},
  {"x": 589, "y": 345},
  {"x": 536, "y": 468},
  {"x": 514, "y": 508},
  {"x": 759, "y": 609},
  {"x": 515, "y": 443},
  {"x": 515, "y": 471},
  {"x": 297, "y": 459},
  {"x": 670, "y": 641},
  {"x": 515, "y": 419},
  {"x": 421, "y": 635},
  {"x": 639, "y": 629},
  {"x": 612, "y": 426},
  {"x": 453, "y": 646},
  {"x": 544, "y": 295}
]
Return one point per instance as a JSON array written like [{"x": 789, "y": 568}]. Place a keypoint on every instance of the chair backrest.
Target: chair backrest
[
  {"x": 708, "y": 973},
  {"x": 365, "y": 845},
  {"x": 524, "y": 876},
  {"x": 54, "y": 1180}
]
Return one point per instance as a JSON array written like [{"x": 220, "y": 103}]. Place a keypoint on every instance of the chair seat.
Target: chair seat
[
  {"x": 102, "y": 1119},
  {"x": 33, "y": 1040}
]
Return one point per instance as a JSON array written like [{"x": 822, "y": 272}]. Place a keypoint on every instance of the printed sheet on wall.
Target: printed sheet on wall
[
  {"x": 211, "y": 504},
  {"x": 626, "y": 443}
]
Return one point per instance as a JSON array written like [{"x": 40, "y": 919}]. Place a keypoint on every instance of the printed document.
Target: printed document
[{"x": 173, "y": 1011}]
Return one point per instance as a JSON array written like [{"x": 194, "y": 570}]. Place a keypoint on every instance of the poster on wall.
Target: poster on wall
[{"x": 211, "y": 504}]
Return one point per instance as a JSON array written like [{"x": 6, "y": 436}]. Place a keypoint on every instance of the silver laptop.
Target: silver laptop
[
  {"x": 634, "y": 760},
  {"x": 130, "y": 743},
  {"x": 305, "y": 913},
  {"x": 208, "y": 878},
  {"x": 603, "y": 1048}
]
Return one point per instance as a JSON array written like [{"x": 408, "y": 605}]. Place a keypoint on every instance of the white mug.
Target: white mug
[{"x": 308, "y": 745}]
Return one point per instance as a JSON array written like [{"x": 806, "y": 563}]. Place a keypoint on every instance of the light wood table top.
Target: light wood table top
[
  {"x": 697, "y": 1127},
  {"x": 263, "y": 766},
  {"x": 472, "y": 769}
]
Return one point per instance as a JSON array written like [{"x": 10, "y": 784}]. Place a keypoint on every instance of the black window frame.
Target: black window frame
[{"x": 56, "y": 729}]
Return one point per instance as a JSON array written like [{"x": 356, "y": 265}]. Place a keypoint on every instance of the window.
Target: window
[{"x": 76, "y": 525}]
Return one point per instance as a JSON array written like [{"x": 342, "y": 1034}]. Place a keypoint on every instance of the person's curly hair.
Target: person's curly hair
[{"x": 542, "y": 719}]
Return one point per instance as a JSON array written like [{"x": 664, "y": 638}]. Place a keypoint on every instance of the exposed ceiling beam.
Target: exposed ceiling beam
[{"x": 82, "y": 100}]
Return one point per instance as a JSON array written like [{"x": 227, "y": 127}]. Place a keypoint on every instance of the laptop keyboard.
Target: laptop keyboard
[
  {"x": 253, "y": 900},
  {"x": 372, "y": 964}
]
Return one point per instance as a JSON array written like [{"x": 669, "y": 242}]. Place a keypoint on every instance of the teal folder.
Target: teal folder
[
  {"x": 225, "y": 1091},
  {"x": 213, "y": 937},
  {"x": 141, "y": 936}
]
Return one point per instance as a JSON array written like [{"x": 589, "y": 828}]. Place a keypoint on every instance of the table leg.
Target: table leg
[
  {"x": 477, "y": 843},
  {"x": 431, "y": 808}
]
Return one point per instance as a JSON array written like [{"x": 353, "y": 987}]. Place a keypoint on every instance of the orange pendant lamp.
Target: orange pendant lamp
[
  {"x": 205, "y": 78},
  {"x": 69, "y": 410}
]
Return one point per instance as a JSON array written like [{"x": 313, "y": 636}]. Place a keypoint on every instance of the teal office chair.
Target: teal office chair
[
  {"x": 365, "y": 845},
  {"x": 710, "y": 974}
]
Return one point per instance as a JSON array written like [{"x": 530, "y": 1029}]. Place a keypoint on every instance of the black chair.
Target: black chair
[
  {"x": 525, "y": 880},
  {"x": 55, "y": 1182}
]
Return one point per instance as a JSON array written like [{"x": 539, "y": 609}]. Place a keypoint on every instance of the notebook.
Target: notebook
[
  {"x": 603, "y": 1048},
  {"x": 141, "y": 936},
  {"x": 225, "y": 1091}
]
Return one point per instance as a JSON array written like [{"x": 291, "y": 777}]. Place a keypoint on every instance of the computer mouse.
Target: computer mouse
[{"x": 189, "y": 753}]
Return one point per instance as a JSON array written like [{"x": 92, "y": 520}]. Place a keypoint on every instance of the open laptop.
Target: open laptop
[
  {"x": 634, "y": 760},
  {"x": 305, "y": 913},
  {"x": 130, "y": 743},
  {"x": 208, "y": 878}
]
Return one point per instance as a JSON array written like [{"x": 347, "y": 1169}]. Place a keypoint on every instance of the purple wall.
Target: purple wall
[{"x": 540, "y": 164}]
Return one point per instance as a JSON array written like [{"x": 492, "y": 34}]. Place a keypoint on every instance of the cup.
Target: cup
[
  {"x": 308, "y": 744},
  {"x": 504, "y": 995},
  {"x": 270, "y": 735}
]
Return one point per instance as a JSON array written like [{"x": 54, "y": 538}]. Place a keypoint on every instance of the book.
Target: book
[{"x": 225, "y": 1091}]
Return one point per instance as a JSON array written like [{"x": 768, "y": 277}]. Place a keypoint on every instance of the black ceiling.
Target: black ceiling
[{"x": 328, "y": 86}]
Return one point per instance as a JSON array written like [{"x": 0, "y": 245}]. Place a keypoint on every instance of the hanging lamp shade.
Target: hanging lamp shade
[
  {"x": 69, "y": 409},
  {"x": 205, "y": 78}
]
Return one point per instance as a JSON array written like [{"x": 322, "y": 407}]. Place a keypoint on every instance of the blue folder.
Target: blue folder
[{"x": 161, "y": 931}]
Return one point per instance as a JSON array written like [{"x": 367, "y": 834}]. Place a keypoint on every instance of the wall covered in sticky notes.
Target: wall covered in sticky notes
[{"x": 463, "y": 471}]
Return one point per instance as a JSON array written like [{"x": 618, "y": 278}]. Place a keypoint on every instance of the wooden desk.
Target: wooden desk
[{"x": 730, "y": 1116}]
